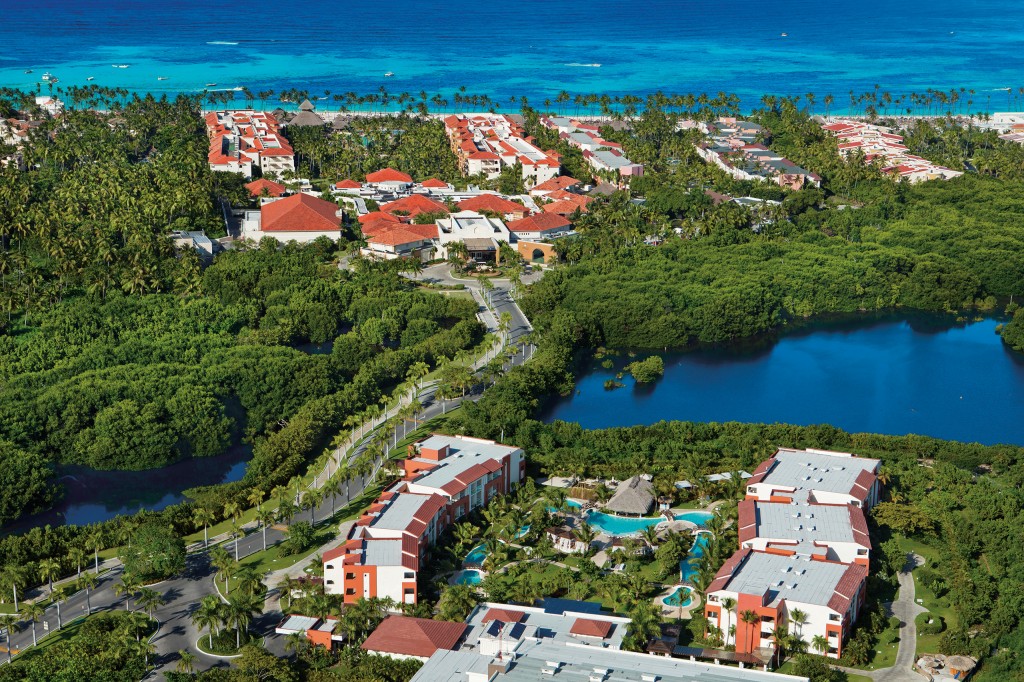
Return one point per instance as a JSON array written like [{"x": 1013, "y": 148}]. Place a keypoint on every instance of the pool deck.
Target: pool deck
[{"x": 675, "y": 611}]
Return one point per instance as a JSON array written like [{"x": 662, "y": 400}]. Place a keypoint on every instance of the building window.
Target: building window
[
  {"x": 329, "y": 567},
  {"x": 350, "y": 576},
  {"x": 833, "y": 616},
  {"x": 409, "y": 575},
  {"x": 751, "y": 489}
]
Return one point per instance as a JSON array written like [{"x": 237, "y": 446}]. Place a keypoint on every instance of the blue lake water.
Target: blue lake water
[
  {"x": 93, "y": 496},
  {"x": 923, "y": 374},
  {"x": 532, "y": 48}
]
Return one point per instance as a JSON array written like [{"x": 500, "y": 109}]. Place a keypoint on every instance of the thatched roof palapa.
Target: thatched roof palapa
[{"x": 634, "y": 496}]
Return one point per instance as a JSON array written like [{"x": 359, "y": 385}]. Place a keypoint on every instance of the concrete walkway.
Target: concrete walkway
[{"x": 906, "y": 609}]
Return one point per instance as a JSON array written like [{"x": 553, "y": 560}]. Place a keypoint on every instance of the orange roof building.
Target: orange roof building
[
  {"x": 494, "y": 204},
  {"x": 300, "y": 217},
  {"x": 415, "y": 204},
  {"x": 407, "y": 637},
  {"x": 434, "y": 183},
  {"x": 348, "y": 183},
  {"x": 273, "y": 189},
  {"x": 553, "y": 185},
  {"x": 388, "y": 175}
]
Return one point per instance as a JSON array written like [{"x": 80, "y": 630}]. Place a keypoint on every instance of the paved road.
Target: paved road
[
  {"x": 906, "y": 609},
  {"x": 182, "y": 594}
]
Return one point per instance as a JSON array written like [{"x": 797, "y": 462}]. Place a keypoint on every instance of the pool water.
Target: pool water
[
  {"x": 688, "y": 566},
  {"x": 572, "y": 504},
  {"x": 467, "y": 577},
  {"x": 522, "y": 531},
  {"x": 674, "y": 598},
  {"x": 475, "y": 557},
  {"x": 624, "y": 525}
]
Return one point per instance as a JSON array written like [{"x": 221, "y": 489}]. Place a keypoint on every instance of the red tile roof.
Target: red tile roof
[
  {"x": 560, "y": 182},
  {"x": 408, "y": 636},
  {"x": 300, "y": 213},
  {"x": 862, "y": 485},
  {"x": 379, "y": 215},
  {"x": 859, "y": 525},
  {"x": 491, "y": 202},
  {"x": 395, "y": 237},
  {"x": 591, "y": 628},
  {"x": 388, "y": 175},
  {"x": 504, "y": 615},
  {"x": 348, "y": 184},
  {"x": 541, "y": 222},
  {"x": 847, "y": 587},
  {"x": 435, "y": 183},
  {"x": 747, "y": 522},
  {"x": 564, "y": 207},
  {"x": 725, "y": 573},
  {"x": 415, "y": 203},
  {"x": 484, "y": 156},
  {"x": 256, "y": 188}
]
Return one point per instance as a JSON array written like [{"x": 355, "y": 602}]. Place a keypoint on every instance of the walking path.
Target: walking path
[{"x": 906, "y": 609}]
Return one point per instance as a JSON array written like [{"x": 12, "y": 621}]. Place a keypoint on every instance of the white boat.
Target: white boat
[
  {"x": 785, "y": 35},
  {"x": 210, "y": 85},
  {"x": 47, "y": 76},
  {"x": 120, "y": 66},
  {"x": 161, "y": 78},
  {"x": 389, "y": 74}
]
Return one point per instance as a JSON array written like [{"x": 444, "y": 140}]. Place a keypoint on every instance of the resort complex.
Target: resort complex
[
  {"x": 877, "y": 144},
  {"x": 241, "y": 140},
  {"x": 803, "y": 561},
  {"x": 605, "y": 157},
  {"x": 446, "y": 478},
  {"x": 487, "y": 143},
  {"x": 738, "y": 147}
]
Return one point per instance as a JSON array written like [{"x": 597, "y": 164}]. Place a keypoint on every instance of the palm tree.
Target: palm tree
[
  {"x": 88, "y": 583},
  {"x": 76, "y": 555},
  {"x": 728, "y": 604},
  {"x": 58, "y": 597},
  {"x": 14, "y": 575},
  {"x": 48, "y": 570},
  {"x": 207, "y": 615},
  {"x": 240, "y": 611},
  {"x": 95, "y": 540},
  {"x": 264, "y": 517},
  {"x": 149, "y": 600},
  {"x": 798, "y": 618},
  {"x": 186, "y": 662},
  {"x": 650, "y": 535},
  {"x": 586, "y": 535},
  {"x": 9, "y": 624},
  {"x": 751, "y": 618},
  {"x": 128, "y": 587},
  {"x": 296, "y": 642},
  {"x": 820, "y": 644},
  {"x": 34, "y": 612},
  {"x": 204, "y": 517}
]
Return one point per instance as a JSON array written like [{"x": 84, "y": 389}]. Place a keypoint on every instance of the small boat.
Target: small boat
[
  {"x": 120, "y": 66},
  {"x": 161, "y": 78},
  {"x": 28, "y": 70},
  {"x": 785, "y": 35},
  {"x": 89, "y": 78},
  {"x": 389, "y": 74},
  {"x": 210, "y": 85},
  {"x": 47, "y": 76}
]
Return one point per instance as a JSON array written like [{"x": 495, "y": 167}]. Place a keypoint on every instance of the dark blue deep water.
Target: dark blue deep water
[
  {"x": 923, "y": 374},
  {"x": 532, "y": 48}
]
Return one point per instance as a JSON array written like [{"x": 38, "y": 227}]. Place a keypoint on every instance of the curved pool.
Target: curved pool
[
  {"x": 688, "y": 566},
  {"x": 628, "y": 525},
  {"x": 681, "y": 597},
  {"x": 469, "y": 576},
  {"x": 475, "y": 557}
]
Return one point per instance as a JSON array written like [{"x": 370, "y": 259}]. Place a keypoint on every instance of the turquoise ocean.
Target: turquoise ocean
[{"x": 520, "y": 48}]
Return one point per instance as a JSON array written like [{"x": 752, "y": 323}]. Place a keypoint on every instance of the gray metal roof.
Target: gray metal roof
[
  {"x": 804, "y": 523},
  {"x": 793, "y": 578},
  {"x": 400, "y": 512},
  {"x": 463, "y": 454},
  {"x": 384, "y": 552},
  {"x": 817, "y": 470}
]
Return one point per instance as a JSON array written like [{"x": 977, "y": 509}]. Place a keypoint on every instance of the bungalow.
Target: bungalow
[
  {"x": 266, "y": 188},
  {"x": 319, "y": 631},
  {"x": 553, "y": 185},
  {"x": 388, "y": 241},
  {"x": 404, "y": 637},
  {"x": 389, "y": 179},
  {"x": 564, "y": 540},
  {"x": 493, "y": 203},
  {"x": 539, "y": 227},
  {"x": 300, "y": 217},
  {"x": 480, "y": 234}
]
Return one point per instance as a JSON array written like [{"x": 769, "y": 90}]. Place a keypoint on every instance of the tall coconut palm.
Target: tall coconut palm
[
  {"x": 208, "y": 615},
  {"x": 186, "y": 662},
  {"x": 798, "y": 618},
  {"x": 48, "y": 570},
  {"x": 35, "y": 612},
  {"x": 728, "y": 604},
  {"x": 751, "y": 619},
  {"x": 14, "y": 576},
  {"x": 88, "y": 583},
  {"x": 149, "y": 600},
  {"x": 820, "y": 644},
  {"x": 204, "y": 517}
]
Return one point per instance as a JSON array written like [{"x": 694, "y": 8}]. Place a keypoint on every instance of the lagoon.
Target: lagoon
[{"x": 918, "y": 373}]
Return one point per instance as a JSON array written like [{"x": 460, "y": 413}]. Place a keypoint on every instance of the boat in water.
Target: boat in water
[
  {"x": 161, "y": 78},
  {"x": 28, "y": 70},
  {"x": 120, "y": 66},
  {"x": 210, "y": 85},
  {"x": 389, "y": 74},
  {"x": 785, "y": 35},
  {"x": 89, "y": 78},
  {"x": 48, "y": 77}
]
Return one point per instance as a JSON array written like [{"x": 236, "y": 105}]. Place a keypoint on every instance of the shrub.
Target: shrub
[{"x": 929, "y": 623}]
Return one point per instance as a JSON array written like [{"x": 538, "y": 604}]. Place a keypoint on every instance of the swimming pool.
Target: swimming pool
[
  {"x": 620, "y": 525},
  {"x": 469, "y": 576},
  {"x": 475, "y": 557},
  {"x": 674, "y": 598},
  {"x": 688, "y": 566},
  {"x": 573, "y": 504},
  {"x": 522, "y": 531}
]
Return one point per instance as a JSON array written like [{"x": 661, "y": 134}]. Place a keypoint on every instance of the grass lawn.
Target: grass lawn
[
  {"x": 789, "y": 666},
  {"x": 936, "y": 605}
]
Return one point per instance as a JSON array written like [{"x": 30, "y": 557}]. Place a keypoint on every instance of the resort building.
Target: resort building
[
  {"x": 773, "y": 586},
  {"x": 878, "y": 144},
  {"x": 564, "y": 639},
  {"x": 563, "y": 538},
  {"x": 496, "y": 204},
  {"x": 241, "y": 140},
  {"x": 389, "y": 179},
  {"x": 446, "y": 477},
  {"x": 480, "y": 234},
  {"x": 404, "y": 637},
  {"x": 319, "y": 631},
  {"x": 299, "y": 217},
  {"x": 562, "y": 182},
  {"x": 820, "y": 531},
  {"x": 816, "y": 476},
  {"x": 736, "y": 147},
  {"x": 540, "y": 227},
  {"x": 487, "y": 143},
  {"x": 387, "y": 241},
  {"x": 604, "y": 156},
  {"x": 266, "y": 188}
]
